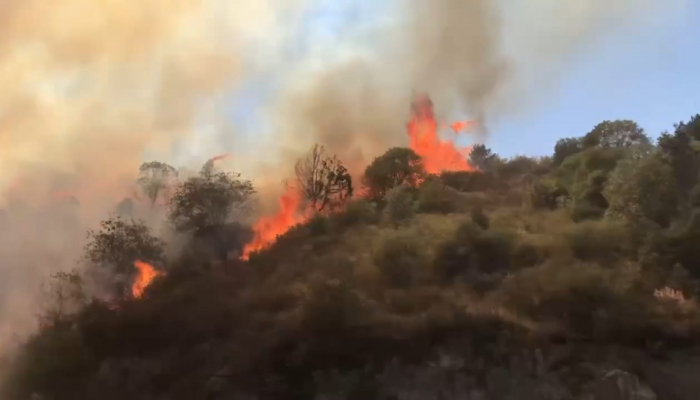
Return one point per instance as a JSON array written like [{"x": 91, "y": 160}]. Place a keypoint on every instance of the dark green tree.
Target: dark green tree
[
  {"x": 642, "y": 188},
  {"x": 398, "y": 166},
  {"x": 618, "y": 133},
  {"x": 209, "y": 199},
  {"x": 678, "y": 151},
  {"x": 566, "y": 147},
  {"x": 481, "y": 157}
]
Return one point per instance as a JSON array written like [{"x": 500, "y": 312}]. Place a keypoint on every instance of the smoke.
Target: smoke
[
  {"x": 89, "y": 87},
  {"x": 486, "y": 59}
]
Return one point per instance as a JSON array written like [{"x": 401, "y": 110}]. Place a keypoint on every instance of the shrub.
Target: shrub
[
  {"x": 592, "y": 301},
  {"x": 399, "y": 206},
  {"x": 357, "y": 212},
  {"x": 572, "y": 293},
  {"x": 400, "y": 260},
  {"x": 470, "y": 181},
  {"x": 472, "y": 252},
  {"x": 435, "y": 197},
  {"x": 599, "y": 241},
  {"x": 544, "y": 194},
  {"x": 480, "y": 218}
]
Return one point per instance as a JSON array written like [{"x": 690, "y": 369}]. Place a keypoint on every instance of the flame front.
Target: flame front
[
  {"x": 438, "y": 155},
  {"x": 268, "y": 228},
  {"x": 146, "y": 275}
]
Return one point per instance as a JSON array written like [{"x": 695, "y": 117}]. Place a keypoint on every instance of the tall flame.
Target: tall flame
[
  {"x": 146, "y": 275},
  {"x": 268, "y": 228},
  {"x": 438, "y": 155}
]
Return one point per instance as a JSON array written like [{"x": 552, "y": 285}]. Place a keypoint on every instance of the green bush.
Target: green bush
[
  {"x": 470, "y": 181},
  {"x": 575, "y": 294},
  {"x": 435, "y": 197},
  {"x": 399, "y": 206},
  {"x": 544, "y": 194},
  {"x": 472, "y": 252},
  {"x": 600, "y": 241},
  {"x": 357, "y": 212},
  {"x": 613, "y": 304},
  {"x": 400, "y": 260}
]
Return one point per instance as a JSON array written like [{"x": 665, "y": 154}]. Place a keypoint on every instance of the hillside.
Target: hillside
[{"x": 566, "y": 277}]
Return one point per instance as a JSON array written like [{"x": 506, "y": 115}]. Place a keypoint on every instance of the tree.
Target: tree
[
  {"x": 398, "y": 166},
  {"x": 156, "y": 177},
  {"x": 63, "y": 296},
  {"x": 618, "y": 133},
  {"x": 399, "y": 206},
  {"x": 642, "y": 188},
  {"x": 118, "y": 244},
  {"x": 323, "y": 180},
  {"x": 679, "y": 153},
  {"x": 209, "y": 199},
  {"x": 583, "y": 177},
  {"x": 566, "y": 147},
  {"x": 481, "y": 157}
]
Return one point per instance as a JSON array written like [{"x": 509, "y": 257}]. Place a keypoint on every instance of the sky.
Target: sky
[
  {"x": 652, "y": 79},
  {"x": 648, "y": 74}
]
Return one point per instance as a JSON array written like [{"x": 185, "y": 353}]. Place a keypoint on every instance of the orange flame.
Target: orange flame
[
  {"x": 146, "y": 275},
  {"x": 268, "y": 228},
  {"x": 438, "y": 155},
  {"x": 462, "y": 125}
]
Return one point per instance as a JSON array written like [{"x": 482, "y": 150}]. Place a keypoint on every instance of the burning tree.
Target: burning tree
[
  {"x": 323, "y": 180},
  {"x": 117, "y": 245}
]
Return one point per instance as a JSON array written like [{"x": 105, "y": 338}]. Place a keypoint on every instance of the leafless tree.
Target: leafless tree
[{"x": 323, "y": 180}]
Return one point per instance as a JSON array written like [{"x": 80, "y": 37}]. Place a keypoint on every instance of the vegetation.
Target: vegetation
[
  {"x": 324, "y": 181},
  {"x": 116, "y": 246},
  {"x": 209, "y": 199},
  {"x": 594, "y": 246}
]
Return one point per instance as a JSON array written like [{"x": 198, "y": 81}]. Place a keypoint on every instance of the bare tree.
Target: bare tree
[{"x": 323, "y": 180}]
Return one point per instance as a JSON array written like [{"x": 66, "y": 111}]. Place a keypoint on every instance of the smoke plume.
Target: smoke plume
[
  {"x": 483, "y": 59},
  {"x": 89, "y": 86}
]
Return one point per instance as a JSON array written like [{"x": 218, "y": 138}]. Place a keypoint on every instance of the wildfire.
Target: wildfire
[
  {"x": 438, "y": 155},
  {"x": 268, "y": 228},
  {"x": 146, "y": 275}
]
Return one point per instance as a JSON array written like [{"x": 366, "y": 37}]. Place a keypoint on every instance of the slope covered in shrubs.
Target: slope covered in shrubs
[{"x": 591, "y": 249}]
